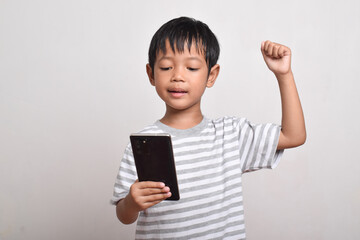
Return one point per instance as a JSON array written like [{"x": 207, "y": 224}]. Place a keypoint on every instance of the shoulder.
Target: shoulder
[
  {"x": 228, "y": 122},
  {"x": 153, "y": 128}
]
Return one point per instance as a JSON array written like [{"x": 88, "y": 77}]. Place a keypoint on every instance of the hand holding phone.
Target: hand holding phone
[
  {"x": 146, "y": 194},
  {"x": 142, "y": 195},
  {"x": 154, "y": 160}
]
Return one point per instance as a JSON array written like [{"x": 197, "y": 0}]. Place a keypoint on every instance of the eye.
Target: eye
[
  {"x": 192, "y": 69},
  {"x": 165, "y": 68}
]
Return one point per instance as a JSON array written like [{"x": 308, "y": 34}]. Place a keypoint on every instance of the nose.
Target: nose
[{"x": 178, "y": 75}]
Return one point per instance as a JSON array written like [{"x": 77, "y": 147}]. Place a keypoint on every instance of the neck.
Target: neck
[{"x": 181, "y": 119}]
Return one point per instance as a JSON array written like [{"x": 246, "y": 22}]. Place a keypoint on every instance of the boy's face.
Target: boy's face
[{"x": 180, "y": 79}]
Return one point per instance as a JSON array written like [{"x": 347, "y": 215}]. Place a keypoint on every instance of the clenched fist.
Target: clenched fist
[{"x": 277, "y": 57}]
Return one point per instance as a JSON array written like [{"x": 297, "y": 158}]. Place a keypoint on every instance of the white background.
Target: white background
[{"x": 73, "y": 87}]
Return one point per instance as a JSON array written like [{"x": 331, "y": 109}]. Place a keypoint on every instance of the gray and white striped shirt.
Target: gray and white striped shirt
[{"x": 210, "y": 159}]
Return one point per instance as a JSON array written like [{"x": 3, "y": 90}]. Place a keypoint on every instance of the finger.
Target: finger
[
  {"x": 275, "y": 53},
  {"x": 150, "y": 195},
  {"x": 266, "y": 45},
  {"x": 165, "y": 189},
  {"x": 270, "y": 49},
  {"x": 137, "y": 189},
  {"x": 286, "y": 51},
  {"x": 263, "y": 49},
  {"x": 156, "y": 197},
  {"x": 262, "y": 46},
  {"x": 149, "y": 201},
  {"x": 279, "y": 51},
  {"x": 150, "y": 184},
  {"x": 283, "y": 50},
  {"x": 152, "y": 191},
  {"x": 150, "y": 204}
]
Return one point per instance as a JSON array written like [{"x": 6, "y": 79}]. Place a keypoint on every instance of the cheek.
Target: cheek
[
  {"x": 160, "y": 87},
  {"x": 161, "y": 77},
  {"x": 204, "y": 74}
]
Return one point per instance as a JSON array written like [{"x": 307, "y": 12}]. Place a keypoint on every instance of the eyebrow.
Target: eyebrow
[{"x": 188, "y": 58}]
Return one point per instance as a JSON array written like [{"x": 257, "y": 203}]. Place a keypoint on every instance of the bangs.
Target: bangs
[{"x": 181, "y": 40}]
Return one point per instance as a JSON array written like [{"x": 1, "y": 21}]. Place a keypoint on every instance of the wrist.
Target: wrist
[
  {"x": 284, "y": 76},
  {"x": 130, "y": 205}
]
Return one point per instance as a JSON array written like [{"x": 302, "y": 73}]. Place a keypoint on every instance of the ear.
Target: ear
[
  {"x": 214, "y": 72},
  {"x": 150, "y": 74}
]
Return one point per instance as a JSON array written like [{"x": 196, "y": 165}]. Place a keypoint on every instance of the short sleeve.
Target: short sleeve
[
  {"x": 258, "y": 145},
  {"x": 125, "y": 177}
]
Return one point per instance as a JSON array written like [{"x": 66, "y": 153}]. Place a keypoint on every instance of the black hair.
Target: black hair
[{"x": 180, "y": 31}]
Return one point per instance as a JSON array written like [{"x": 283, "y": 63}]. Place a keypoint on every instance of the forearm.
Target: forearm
[
  {"x": 293, "y": 132},
  {"x": 125, "y": 213}
]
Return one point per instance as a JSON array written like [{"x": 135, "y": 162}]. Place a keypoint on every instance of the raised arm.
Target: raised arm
[{"x": 278, "y": 59}]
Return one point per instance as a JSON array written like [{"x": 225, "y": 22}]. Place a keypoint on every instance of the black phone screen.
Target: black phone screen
[{"x": 154, "y": 160}]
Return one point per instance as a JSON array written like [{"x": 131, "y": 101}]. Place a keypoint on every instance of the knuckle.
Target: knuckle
[
  {"x": 133, "y": 189},
  {"x": 153, "y": 198},
  {"x": 151, "y": 191}
]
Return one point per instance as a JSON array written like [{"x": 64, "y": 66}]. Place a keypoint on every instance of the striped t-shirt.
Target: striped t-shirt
[{"x": 210, "y": 159}]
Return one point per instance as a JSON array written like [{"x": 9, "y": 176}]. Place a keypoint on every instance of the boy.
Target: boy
[{"x": 210, "y": 155}]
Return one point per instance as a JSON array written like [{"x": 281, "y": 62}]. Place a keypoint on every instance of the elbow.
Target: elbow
[
  {"x": 292, "y": 141},
  {"x": 126, "y": 222},
  {"x": 299, "y": 140},
  {"x": 302, "y": 138}
]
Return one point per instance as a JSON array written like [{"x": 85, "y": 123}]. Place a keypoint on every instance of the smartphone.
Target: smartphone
[{"x": 154, "y": 160}]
